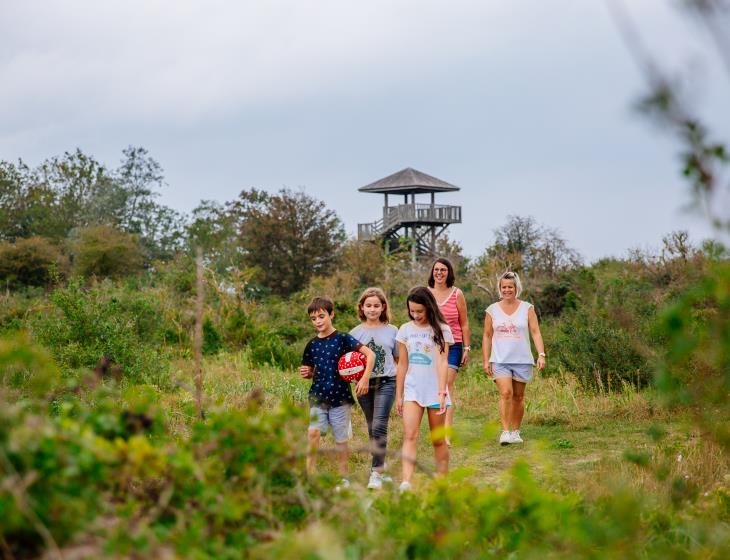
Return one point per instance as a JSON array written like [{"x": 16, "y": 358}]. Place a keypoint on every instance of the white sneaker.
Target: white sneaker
[
  {"x": 384, "y": 476},
  {"x": 405, "y": 487},
  {"x": 515, "y": 437},
  {"x": 343, "y": 485},
  {"x": 505, "y": 438},
  {"x": 376, "y": 481}
]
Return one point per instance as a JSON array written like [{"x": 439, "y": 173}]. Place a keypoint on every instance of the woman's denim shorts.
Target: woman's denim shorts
[{"x": 455, "y": 353}]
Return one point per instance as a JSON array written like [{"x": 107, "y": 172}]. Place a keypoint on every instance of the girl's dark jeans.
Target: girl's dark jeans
[{"x": 376, "y": 405}]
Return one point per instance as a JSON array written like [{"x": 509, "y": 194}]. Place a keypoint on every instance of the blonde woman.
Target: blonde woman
[{"x": 506, "y": 353}]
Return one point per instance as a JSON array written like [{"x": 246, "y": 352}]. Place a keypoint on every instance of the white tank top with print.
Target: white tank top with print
[{"x": 511, "y": 335}]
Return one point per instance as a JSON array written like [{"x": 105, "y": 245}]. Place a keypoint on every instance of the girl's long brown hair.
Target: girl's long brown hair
[
  {"x": 378, "y": 293},
  {"x": 423, "y": 296}
]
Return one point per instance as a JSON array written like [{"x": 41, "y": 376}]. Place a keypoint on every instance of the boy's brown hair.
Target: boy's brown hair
[{"x": 321, "y": 302}]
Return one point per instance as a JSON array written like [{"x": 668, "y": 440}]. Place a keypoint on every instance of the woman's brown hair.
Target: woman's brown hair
[{"x": 450, "y": 276}]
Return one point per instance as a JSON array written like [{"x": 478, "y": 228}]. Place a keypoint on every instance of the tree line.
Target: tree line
[{"x": 74, "y": 215}]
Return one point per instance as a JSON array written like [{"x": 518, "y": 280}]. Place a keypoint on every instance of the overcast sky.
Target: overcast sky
[{"x": 524, "y": 104}]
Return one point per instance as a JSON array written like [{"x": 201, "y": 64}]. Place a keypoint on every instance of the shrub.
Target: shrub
[
  {"x": 212, "y": 341},
  {"x": 601, "y": 354},
  {"x": 267, "y": 347},
  {"x": 554, "y": 297},
  {"x": 364, "y": 260},
  {"x": 694, "y": 368},
  {"x": 104, "y": 251},
  {"x": 81, "y": 326},
  {"x": 30, "y": 262},
  {"x": 26, "y": 368}
]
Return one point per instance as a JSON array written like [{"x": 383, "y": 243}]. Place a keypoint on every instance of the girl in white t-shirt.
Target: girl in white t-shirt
[
  {"x": 506, "y": 352},
  {"x": 421, "y": 379}
]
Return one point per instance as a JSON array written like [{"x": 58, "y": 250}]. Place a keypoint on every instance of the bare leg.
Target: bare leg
[
  {"x": 437, "y": 423},
  {"x": 518, "y": 403},
  {"x": 412, "y": 415},
  {"x": 313, "y": 445},
  {"x": 450, "y": 378},
  {"x": 342, "y": 456},
  {"x": 504, "y": 384}
]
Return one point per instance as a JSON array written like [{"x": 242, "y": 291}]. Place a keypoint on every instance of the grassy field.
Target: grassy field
[{"x": 575, "y": 441}]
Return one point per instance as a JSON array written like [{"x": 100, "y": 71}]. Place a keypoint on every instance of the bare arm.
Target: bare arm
[
  {"x": 442, "y": 366},
  {"x": 487, "y": 344},
  {"x": 536, "y": 336},
  {"x": 464, "y": 323},
  {"x": 363, "y": 386},
  {"x": 400, "y": 376}
]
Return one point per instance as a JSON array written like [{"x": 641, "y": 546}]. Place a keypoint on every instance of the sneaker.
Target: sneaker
[
  {"x": 405, "y": 487},
  {"x": 505, "y": 438},
  {"x": 343, "y": 485},
  {"x": 515, "y": 437},
  {"x": 376, "y": 481}
]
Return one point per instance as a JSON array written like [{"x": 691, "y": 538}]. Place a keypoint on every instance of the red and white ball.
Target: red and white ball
[{"x": 351, "y": 366}]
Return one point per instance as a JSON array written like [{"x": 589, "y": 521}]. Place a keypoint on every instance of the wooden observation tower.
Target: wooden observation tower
[{"x": 422, "y": 222}]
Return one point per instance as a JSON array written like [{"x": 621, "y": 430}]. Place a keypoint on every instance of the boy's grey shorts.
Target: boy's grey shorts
[
  {"x": 518, "y": 372},
  {"x": 323, "y": 417}
]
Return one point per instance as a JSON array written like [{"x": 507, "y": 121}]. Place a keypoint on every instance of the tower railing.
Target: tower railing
[{"x": 395, "y": 216}]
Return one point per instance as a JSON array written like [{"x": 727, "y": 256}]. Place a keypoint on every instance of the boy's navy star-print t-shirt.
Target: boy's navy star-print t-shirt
[{"x": 323, "y": 354}]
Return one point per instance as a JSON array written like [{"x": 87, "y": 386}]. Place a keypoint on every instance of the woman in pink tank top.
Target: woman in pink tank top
[{"x": 452, "y": 303}]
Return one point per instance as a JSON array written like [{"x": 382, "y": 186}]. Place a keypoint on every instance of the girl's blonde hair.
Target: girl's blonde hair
[
  {"x": 380, "y": 294},
  {"x": 510, "y": 276}
]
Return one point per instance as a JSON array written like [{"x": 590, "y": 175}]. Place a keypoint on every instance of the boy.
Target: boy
[{"x": 330, "y": 397}]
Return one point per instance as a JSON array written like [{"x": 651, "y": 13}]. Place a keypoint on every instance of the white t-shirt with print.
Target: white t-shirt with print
[
  {"x": 421, "y": 383},
  {"x": 511, "y": 338}
]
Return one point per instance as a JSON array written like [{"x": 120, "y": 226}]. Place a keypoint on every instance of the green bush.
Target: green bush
[
  {"x": 266, "y": 347},
  {"x": 553, "y": 298},
  {"x": 35, "y": 261},
  {"x": 238, "y": 328},
  {"x": 83, "y": 325},
  {"x": 212, "y": 341},
  {"x": 70, "y": 467},
  {"x": 104, "y": 251},
  {"x": 601, "y": 354},
  {"x": 694, "y": 369},
  {"x": 26, "y": 368}
]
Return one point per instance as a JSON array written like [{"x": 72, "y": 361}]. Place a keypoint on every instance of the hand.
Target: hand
[
  {"x": 540, "y": 363},
  {"x": 442, "y": 405},
  {"x": 306, "y": 372},
  {"x": 399, "y": 405},
  {"x": 362, "y": 387},
  {"x": 488, "y": 369},
  {"x": 464, "y": 356}
]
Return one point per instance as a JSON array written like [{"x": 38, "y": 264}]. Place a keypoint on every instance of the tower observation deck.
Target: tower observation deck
[{"x": 422, "y": 222}]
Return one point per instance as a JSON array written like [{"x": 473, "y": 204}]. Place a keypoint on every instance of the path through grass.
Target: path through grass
[{"x": 575, "y": 441}]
